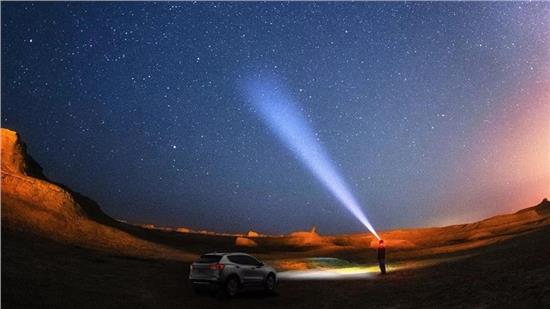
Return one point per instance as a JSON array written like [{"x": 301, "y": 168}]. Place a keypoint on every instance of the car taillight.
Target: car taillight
[{"x": 217, "y": 266}]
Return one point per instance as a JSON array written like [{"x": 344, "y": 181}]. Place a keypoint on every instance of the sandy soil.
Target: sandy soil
[{"x": 40, "y": 273}]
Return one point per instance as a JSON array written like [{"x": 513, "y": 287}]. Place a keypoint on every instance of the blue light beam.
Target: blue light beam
[{"x": 280, "y": 113}]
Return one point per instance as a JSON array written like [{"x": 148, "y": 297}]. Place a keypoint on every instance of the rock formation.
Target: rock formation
[
  {"x": 33, "y": 205},
  {"x": 245, "y": 242}
]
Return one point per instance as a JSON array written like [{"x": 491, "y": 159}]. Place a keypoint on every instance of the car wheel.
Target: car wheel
[
  {"x": 231, "y": 287},
  {"x": 270, "y": 283}
]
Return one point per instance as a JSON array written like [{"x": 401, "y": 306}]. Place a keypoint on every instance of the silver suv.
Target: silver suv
[{"x": 231, "y": 271}]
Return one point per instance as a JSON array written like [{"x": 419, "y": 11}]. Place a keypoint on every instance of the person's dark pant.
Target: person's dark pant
[{"x": 382, "y": 263}]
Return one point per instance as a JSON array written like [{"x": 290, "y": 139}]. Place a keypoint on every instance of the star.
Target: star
[{"x": 413, "y": 103}]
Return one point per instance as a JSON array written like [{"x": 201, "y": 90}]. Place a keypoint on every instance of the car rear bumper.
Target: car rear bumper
[{"x": 205, "y": 283}]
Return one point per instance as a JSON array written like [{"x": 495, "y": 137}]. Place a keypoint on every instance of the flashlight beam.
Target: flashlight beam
[{"x": 279, "y": 112}]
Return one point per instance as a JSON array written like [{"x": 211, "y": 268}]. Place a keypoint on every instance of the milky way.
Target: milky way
[{"x": 434, "y": 113}]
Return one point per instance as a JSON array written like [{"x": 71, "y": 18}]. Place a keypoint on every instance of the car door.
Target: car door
[
  {"x": 243, "y": 267},
  {"x": 253, "y": 268}
]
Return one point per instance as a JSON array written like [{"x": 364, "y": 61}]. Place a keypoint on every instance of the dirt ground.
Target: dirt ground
[{"x": 36, "y": 272}]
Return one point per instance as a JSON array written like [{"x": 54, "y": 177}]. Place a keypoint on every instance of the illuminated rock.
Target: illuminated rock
[
  {"x": 183, "y": 230},
  {"x": 245, "y": 242},
  {"x": 309, "y": 238},
  {"x": 34, "y": 205}
]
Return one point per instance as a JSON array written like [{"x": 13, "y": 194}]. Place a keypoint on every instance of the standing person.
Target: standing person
[{"x": 382, "y": 257}]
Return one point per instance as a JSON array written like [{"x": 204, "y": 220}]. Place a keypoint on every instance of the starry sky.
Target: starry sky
[{"x": 434, "y": 113}]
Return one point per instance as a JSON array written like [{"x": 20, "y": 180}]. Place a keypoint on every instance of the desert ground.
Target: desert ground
[{"x": 59, "y": 250}]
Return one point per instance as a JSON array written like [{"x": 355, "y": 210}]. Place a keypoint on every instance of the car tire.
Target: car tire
[
  {"x": 270, "y": 283},
  {"x": 231, "y": 287}
]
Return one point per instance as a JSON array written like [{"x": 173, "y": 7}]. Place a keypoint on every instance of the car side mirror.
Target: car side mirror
[{"x": 260, "y": 264}]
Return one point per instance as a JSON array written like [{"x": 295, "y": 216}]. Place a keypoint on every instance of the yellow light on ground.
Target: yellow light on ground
[{"x": 327, "y": 269}]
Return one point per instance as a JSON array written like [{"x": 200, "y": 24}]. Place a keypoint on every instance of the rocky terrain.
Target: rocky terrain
[{"x": 60, "y": 250}]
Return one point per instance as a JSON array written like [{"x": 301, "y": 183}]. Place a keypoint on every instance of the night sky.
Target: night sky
[{"x": 433, "y": 113}]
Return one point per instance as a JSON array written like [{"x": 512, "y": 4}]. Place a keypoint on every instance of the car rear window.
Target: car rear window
[
  {"x": 243, "y": 260},
  {"x": 236, "y": 259},
  {"x": 209, "y": 258}
]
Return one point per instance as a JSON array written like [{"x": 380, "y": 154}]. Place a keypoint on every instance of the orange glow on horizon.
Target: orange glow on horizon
[{"x": 509, "y": 168}]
